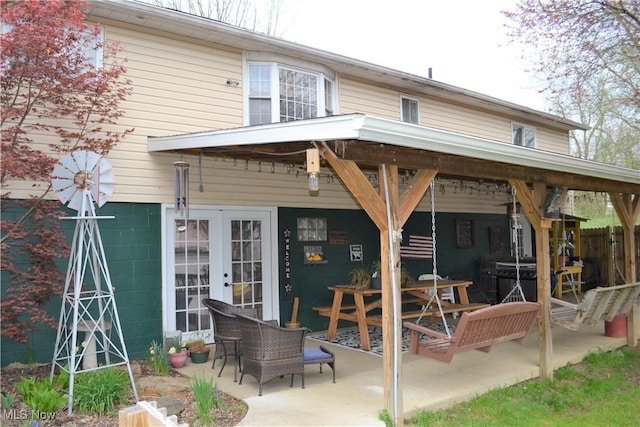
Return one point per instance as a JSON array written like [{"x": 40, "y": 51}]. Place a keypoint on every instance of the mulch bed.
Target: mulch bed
[{"x": 230, "y": 413}]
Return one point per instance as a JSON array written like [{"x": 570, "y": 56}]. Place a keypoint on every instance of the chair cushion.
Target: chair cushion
[{"x": 313, "y": 354}]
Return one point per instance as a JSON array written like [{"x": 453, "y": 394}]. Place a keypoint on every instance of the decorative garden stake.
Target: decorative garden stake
[{"x": 88, "y": 305}]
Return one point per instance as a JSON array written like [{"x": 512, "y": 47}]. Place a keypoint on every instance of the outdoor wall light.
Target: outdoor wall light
[
  {"x": 181, "y": 186},
  {"x": 313, "y": 168}
]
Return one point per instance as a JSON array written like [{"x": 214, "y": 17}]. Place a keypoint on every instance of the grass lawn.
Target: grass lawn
[
  {"x": 603, "y": 390},
  {"x": 602, "y": 222}
]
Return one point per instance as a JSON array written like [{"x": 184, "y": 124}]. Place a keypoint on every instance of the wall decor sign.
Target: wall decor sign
[
  {"x": 355, "y": 252},
  {"x": 417, "y": 247},
  {"x": 338, "y": 238},
  {"x": 464, "y": 233},
  {"x": 314, "y": 255},
  {"x": 496, "y": 239},
  {"x": 288, "y": 288}
]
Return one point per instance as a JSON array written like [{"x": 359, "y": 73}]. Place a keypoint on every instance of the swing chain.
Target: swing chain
[
  {"x": 435, "y": 268},
  {"x": 516, "y": 233},
  {"x": 433, "y": 235},
  {"x": 512, "y": 296}
]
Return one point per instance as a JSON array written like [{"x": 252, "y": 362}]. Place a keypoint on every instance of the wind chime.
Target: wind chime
[{"x": 181, "y": 186}]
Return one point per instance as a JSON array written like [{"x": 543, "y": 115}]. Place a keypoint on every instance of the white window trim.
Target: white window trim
[
  {"x": 98, "y": 57},
  {"x": 99, "y": 52},
  {"x": 274, "y": 67},
  {"x": 525, "y": 126},
  {"x": 410, "y": 98}
]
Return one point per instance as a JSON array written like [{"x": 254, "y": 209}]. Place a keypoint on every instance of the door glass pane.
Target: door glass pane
[
  {"x": 247, "y": 262},
  {"x": 191, "y": 274}
]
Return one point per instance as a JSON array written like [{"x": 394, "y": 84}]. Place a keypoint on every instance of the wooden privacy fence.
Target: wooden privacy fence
[{"x": 606, "y": 246}]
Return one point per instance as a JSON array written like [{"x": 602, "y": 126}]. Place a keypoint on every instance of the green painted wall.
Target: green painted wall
[
  {"x": 310, "y": 282},
  {"x": 132, "y": 248}
]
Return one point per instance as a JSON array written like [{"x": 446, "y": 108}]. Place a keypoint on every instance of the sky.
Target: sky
[{"x": 464, "y": 42}]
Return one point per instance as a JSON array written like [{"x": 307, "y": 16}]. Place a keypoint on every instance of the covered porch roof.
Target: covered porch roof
[
  {"x": 369, "y": 141},
  {"x": 350, "y": 144}
]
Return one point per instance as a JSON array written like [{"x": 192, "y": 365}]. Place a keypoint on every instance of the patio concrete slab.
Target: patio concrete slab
[{"x": 357, "y": 396}]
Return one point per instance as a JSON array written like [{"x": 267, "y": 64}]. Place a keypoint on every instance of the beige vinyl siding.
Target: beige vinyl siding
[
  {"x": 549, "y": 140},
  {"x": 454, "y": 118},
  {"x": 226, "y": 182},
  {"x": 359, "y": 97},
  {"x": 180, "y": 87}
]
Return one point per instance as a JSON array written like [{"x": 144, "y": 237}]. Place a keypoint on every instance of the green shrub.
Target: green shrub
[
  {"x": 206, "y": 395},
  {"x": 158, "y": 359},
  {"x": 100, "y": 391},
  {"x": 41, "y": 396}
]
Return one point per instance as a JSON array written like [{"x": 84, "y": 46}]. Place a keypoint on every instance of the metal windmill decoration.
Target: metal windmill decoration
[{"x": 82, "y": 179}]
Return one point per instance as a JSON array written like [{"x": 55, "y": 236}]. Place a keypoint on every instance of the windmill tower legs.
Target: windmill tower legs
[{"x": 88, "y": 307}]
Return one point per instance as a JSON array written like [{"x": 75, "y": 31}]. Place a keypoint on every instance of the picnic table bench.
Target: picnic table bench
[{"x": 365, "y": 314}]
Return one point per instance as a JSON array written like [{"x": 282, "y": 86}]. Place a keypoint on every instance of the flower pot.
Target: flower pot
[
  {"x": 199, "y": 356},
  {"x": 616, "y": 328},
  {"x": 178, "y": 360},
  {"x": 376, "y": 283}
]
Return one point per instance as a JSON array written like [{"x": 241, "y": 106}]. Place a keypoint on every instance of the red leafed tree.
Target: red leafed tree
[{"x": 56, "y": 97}]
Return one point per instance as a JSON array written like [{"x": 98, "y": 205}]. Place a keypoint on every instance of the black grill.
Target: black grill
[{"x": 507, "y": 270}]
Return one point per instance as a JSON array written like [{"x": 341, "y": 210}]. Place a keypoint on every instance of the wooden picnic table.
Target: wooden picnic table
[{"x": 361, "y": 312}]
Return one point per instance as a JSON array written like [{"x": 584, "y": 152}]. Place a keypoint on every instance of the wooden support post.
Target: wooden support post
[{"x": 627, "y": 207}]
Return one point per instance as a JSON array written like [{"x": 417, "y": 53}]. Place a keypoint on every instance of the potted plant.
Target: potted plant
[
  {"x": 360, "y": 278},
  {"x": 405, "y": 278},
  {"x": 178, "y": 355},
  {"x": 198, "y": 351},
  {"x": 376, "y": 275}
]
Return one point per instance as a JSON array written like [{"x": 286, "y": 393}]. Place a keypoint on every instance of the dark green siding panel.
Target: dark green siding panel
[
  {"x": 309, "y": 282},
  {"x": 132, "y": 242}
]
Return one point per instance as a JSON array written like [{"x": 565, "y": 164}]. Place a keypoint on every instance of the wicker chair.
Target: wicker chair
[
  {"x": 226, "y": 332},
  {"x": 271, "y": 351}
]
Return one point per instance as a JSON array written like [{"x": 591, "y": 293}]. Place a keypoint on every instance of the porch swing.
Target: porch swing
[
  {"x": 477, "y": 330},
  {"x": 602, "y": 303}
]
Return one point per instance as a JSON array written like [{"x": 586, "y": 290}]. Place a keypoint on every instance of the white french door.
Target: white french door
[{"x": 221, "y": 254}]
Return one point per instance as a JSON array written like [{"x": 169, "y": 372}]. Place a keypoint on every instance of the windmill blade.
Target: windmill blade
[
  {"x": 60, "y": 184},
  {"x": 70, "y": 184},
  {"x": 67, "y": 194},
  {"x": 60, "y": 171},
  {"x": 92, "y": 160}
]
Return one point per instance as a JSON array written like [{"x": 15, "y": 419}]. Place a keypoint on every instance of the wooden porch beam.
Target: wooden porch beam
[
  {"x": 447, "y": 164},
  {"x": 413, "y": 195},
  {"x": 627, "y": 207},
  {"x": 359, "y": 185}
]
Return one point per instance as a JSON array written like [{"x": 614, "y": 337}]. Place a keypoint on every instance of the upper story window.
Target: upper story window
[
  {"x": 88, "y": 44},
  {"x": 279, "y": 94},
  {"x": 93, "y": 49},
  {"x": 409, "y": 110},
  {"x": 524, "y": 136}
]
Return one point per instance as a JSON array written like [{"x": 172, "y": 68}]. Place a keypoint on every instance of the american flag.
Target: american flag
[{"x": 419, "y": 247}]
